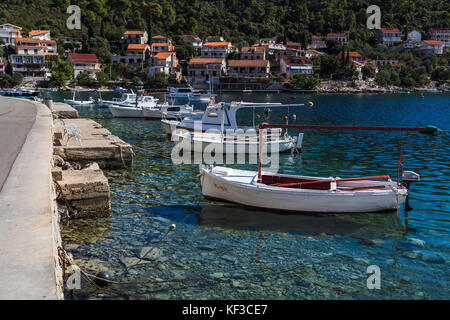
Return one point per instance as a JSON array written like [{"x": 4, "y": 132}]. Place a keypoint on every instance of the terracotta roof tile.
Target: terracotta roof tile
[
  {"x": 136, "y": 46},
  {"x": 130, "y": 32},
  {"x": 205, "y": 60},
  {"x": 248, "y": 63},
  {"x": 224, "y": 43},
  {"x": 163, "y": 55}
]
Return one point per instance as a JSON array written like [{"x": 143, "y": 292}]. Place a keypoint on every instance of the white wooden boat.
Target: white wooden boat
[
  {"x": 301, "y": 193},
  {"x": 74, "y": 102},
  {"x": 295, "y": 193},
  {"x": 217, "y": 130}
]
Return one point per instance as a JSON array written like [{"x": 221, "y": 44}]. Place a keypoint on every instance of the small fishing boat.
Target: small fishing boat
[
  {"x": 295, "y": 193},
  {"x": 74, "y": 102},
  {"x": 130, "y": 110},
  {"x": 217, "y": 129},
  {"x": 247, "y": 90}
]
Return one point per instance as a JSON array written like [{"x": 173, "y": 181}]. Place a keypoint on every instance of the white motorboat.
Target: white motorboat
[
  {"x": 79, "y": 102},
  {"x": 169, "y": 110},
  {"x": 120, "y": 90},
  {"x": 292, "y": 193},
  {"x": 125, "y": 99},
  {"x": 295, "y": 193},
  {"x": 130, "y": 110},
  {"x": 189, "y": 94},
  {"x": 20, "y": 92},
  {"x": 217, "y": 129},
  {"x": 200, "y": 98},
  {"x": 247, "y": 90}
]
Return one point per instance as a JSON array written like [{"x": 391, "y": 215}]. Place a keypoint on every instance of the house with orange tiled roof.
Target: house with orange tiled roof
[
  {"x": 200, "y": 70},
  {"x": 440, "y": 34},
  {"x": 216, "y": 49},
  {"x": 253, "y": 53},
  {"x": 389, "y": 36},
  {"x": 249, "y": 68},
  {"x": 339, "y": 37},
  {"x": 36, "y": 46},
  {"x": 84, "y": 63},
  {"x": 267, "y": 41},
  {"x": 2, "y": 65},
  {"x": 353, "y": 55},
  {"x": 135, "y": 53},
  {"x": 30, "y": 58},
  {"x": 161, "y": 47},
  {"x": 430, "y": 47},
  {"x": 290, "y": 66},
  {"x": 160, "y": 39},
  {"x": 40, "y": 34},
  {"x": 133, "y": 37},
  {"x": 194, "y": 40},
  {"x": 317, "y": 43},
  {"x": 9, "y": 33},
  {"x": 164, "y": 62}
]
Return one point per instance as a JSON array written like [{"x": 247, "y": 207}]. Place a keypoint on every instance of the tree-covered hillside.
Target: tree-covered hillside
[{"x": 237, "y": 20}]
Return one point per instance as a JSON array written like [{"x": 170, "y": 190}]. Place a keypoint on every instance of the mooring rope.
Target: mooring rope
[{"x": 151, "y": 151}]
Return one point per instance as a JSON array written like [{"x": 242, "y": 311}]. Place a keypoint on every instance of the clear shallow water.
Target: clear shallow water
[{"x": 222, "y": 251}]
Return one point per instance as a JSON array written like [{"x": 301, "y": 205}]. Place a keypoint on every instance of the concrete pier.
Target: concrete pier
[
  {"x": 64, "y": 111},
  {"x": 90, "y": 143},
  {"x": 29, "y": 228}
]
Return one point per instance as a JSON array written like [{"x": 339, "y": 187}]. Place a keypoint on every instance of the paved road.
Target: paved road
[
  {"x": 29, "y": 229},
  {"x": 16, "y": 119}
]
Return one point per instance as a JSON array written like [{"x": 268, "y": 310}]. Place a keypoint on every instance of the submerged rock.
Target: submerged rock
[
  {"x": 150, "y": 253},
  {"x": 131, "y": 261},
  {"x": 417, "y": 242},
  {"x": 217, "y": 275}
]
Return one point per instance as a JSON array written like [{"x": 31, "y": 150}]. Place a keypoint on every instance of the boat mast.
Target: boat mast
[{"x": 426, "y": 130}]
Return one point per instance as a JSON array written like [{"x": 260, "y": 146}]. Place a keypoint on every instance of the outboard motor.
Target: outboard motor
[{"x": 409, "y": 177}]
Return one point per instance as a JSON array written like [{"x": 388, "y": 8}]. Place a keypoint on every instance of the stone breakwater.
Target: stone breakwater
[{"x": 82, "y": 148}]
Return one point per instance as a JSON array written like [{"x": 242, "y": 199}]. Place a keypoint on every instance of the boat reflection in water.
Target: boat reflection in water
[{"x": 355, "y": 225}]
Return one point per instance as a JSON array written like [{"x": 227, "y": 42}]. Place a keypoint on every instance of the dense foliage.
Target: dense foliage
[
  {"x": 236, "y": 20},
  {"x": 243, "y": 22}
]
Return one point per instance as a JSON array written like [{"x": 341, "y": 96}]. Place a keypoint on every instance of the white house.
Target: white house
[
  {"x": 84, "y": 62},
  {"x": 133, "y": 37},
  {"x": 414, "y": 36},
  {"x": 9, "y": 33},
  {"x": 2, "y": 65},
  {"x": 194, "y": 40},
  {"x": 440, "y": 35},
  {"x": 293, "y": 65},
  {"x": 249, "y": 68},
  {"x": 216, "y": 49},
  {"x": 40, "y": 34},
  {"x": 432, "y": 47},
  {"x": 201, "y": 69},
  {"x": 163, "y": 62}
]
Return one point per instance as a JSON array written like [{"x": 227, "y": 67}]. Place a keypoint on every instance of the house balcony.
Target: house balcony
[{"x": 86, "y": 68}]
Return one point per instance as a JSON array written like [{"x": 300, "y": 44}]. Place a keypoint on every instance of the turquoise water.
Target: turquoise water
[{"x": 222, "y": 251}]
